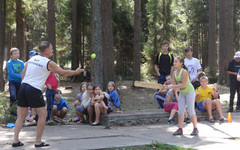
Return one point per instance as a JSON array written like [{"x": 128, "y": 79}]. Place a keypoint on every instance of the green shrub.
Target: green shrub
[
  {"x": 211, "y": 73},
  {"x": 5, "y": 110}
]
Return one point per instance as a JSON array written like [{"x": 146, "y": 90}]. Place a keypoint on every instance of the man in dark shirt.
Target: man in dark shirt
[
  {"x": 232, "y": 70},
  {"x": 163, "y": 65}
]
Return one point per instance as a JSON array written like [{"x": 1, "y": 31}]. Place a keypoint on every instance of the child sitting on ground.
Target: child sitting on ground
[
  {"x": 113, "y": 97},
  {"x": 204, "y": 100},
  {"x": 171, "y": 105},
  {"x": 78, "y": 101},
  {"x": 99, "y": 105},
  {"x": 60, "y": 107},
  {"x": 160, "y": 96},
  {"x": 99, "y": 96},
  {"x": 32, "y": 118}
]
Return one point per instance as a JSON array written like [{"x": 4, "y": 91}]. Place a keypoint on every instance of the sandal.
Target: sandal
[
  {"x": 41, "y": 144},
  {"x": 211, "y": 120},
  {"x": 17, "y": 144}
]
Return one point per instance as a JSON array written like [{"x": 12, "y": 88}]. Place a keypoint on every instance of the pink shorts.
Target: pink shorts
[{"x": 169, "y": 107}]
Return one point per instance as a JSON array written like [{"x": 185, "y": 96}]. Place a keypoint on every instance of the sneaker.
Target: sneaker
[
  {"x": 171, "y": 122},
  {"x": 77, "y": 119},
  {"x": 222, "y": 120},
  {"x": 195, "y": 132},
  {"x": 109, "y": 110},
  {"x": 237, "y": 109},
  {"x": 211, "y": 120},
  {"x": 230, "y": 109},
  {"x": 57, "y": 119},
  {"x": 178, "y": 132},
  {"x": 187, "y": 120}
]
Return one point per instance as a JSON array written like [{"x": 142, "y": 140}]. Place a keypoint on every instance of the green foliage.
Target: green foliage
[
  {"x": 160, "y": 27},
  {"x": 211, "y": 73},
  {"x": 5, "y": 110},
  {"x": 123, "y": 37}
]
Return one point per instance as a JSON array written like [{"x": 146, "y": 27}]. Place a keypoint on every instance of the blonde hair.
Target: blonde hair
[
  {"x": 204, "y": 77},
  {"x": 113, "y": 84},
  {"x": 14, "y": 49}
]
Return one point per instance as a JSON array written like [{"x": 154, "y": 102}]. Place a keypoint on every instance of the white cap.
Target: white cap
[{"x": 237, "y": 54}]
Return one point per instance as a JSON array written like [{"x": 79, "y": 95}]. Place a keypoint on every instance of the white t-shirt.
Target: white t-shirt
[
  {"x": 37, "y": 71},
  {"x": 193, "y": 66}
]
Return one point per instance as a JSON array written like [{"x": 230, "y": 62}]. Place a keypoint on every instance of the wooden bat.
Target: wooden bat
[{"x": 148, "y": 85}]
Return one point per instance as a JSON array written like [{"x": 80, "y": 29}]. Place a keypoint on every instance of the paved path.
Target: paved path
[{"x": 80, "y": 137}]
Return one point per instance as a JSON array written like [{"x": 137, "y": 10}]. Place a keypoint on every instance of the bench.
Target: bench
[{"x": 144, "y": 117}]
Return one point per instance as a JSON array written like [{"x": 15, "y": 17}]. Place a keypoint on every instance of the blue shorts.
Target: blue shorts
[
  {"x": 200, "y": 106},
  {"x": 82, "y": 109}
]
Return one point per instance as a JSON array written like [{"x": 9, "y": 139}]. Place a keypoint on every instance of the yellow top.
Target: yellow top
[{"x": 204, "y": 93}]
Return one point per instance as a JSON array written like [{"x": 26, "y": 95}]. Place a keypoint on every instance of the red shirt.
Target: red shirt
[{"x": 52, "y": 80}]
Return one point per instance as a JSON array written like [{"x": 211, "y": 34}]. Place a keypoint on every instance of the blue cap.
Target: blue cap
[{"x": 31, "y": 53}]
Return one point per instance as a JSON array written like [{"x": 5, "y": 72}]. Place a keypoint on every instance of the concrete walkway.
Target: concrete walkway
[{"x": 211, "y": 136}]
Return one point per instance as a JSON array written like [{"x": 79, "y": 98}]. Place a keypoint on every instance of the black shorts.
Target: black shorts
[{"x": 29, "y": 96}]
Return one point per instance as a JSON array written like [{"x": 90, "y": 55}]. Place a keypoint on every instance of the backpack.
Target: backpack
[{"x": 169, "y": 54}]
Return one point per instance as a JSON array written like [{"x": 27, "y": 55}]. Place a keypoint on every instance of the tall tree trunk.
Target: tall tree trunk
[
  {"x": 229, "y": 31},
  {"x": 20, "y": 29},
  {"x": 51, "y": 27},
  {"x": 74, "y": 27},
  {"x": 96, "y": 43},
  {"x": 222, "y": 39},
  {"x": 226, "y": 51},
  {"x": 107, "y": 42},
  {"x": 137, "y": 40},
  {"x": 2, "y": 41},
  {"x": 212, "y": 46}
]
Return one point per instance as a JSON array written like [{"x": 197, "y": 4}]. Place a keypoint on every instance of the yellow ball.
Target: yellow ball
[{"x": 93, "y": 56}]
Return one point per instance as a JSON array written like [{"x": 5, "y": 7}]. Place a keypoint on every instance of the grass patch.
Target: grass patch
[{"x": 154, "y": 146}]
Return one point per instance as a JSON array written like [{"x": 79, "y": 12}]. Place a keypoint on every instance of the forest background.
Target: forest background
[{"x": 126, "y": 35}]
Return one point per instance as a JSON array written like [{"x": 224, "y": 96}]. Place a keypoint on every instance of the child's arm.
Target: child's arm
[
  {"x": 197, "y": 96},
  {"x": 215, "y": 94},
  {"x": 178, "y": 86},
  {"x": 92, "y": 100},
  {"x": 11, "y": 72},
  {"x": 176, "y": 94},
  {"x": 168, "y": 99},
  {"x": 99, "y": 98},
  {"x": 162, "y": 91}
]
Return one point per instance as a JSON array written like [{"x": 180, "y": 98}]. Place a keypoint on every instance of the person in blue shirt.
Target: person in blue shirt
[
  {"x": 14, "y": 67},
  {"x": 113, "y": 97},
  {"x": 60, "y": 106}
]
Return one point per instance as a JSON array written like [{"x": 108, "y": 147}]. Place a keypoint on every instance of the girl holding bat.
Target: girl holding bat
[{"x": 186, "y": 97}]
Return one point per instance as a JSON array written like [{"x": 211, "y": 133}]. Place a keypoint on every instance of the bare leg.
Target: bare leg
[
  {"x": 42, "y": 114},
  {"x": 22, "y": 114},
  {"x": 97, "y": 107},
  {"x": 81, "y": 116},
  {"x": 54, "y": 111},
  {"x": 63, "y": 112},
  {"x": 90, "y": 114},
  {"x": 103, "y": 105},
  {"x": 207, "y": 104},
  {"x": 194, "y": 121},
  {"x": 217, "y": 104},
  {"x": 77, "y": 103},
  {"x": 173, "y": 111}
]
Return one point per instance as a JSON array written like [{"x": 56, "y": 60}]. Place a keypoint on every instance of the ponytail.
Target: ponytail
[{"x": 184, "y": 67}]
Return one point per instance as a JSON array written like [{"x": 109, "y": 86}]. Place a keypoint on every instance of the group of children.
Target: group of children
[
  {"x": 92, "y": 101},
  {"x": 184, "y": 85}
]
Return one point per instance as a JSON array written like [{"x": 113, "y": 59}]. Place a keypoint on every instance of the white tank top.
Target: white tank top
[{"x": 37, "y": 71}]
